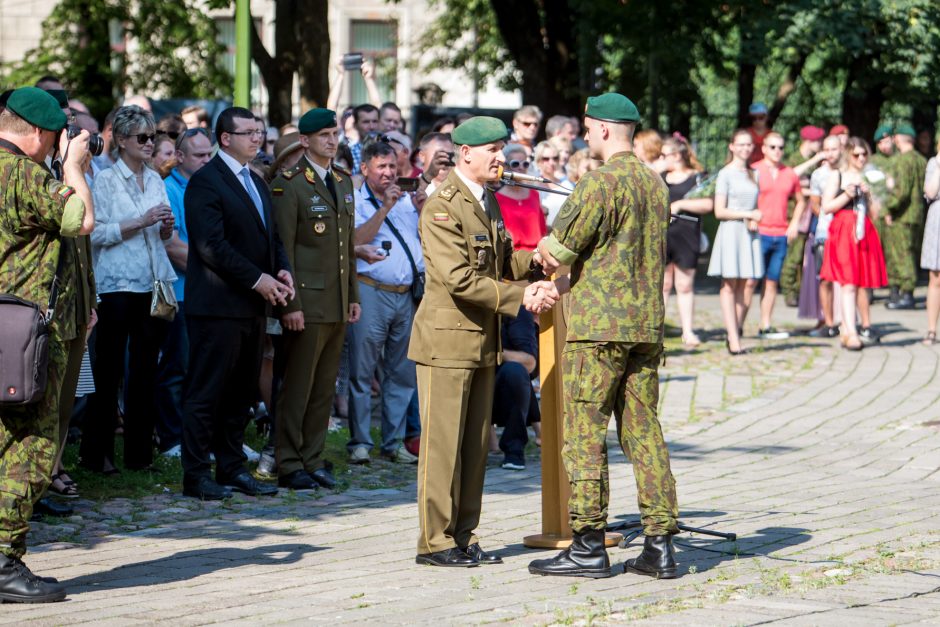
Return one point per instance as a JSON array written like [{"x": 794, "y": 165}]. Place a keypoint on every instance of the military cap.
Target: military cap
[
  {"x": 61, "y": 96},
  {"x": 905, "y": 129},
  {"x": 480, "y": 130},
  {"x": 885, "y": 130},
  {"x": 287, "y": 144},
  {"x": 839, "y": 129},
  {"x": 612, "y": 107},
  {"x": 812, "y": 133},
  {"x": 37, "y": 107},
  {"x": 316, "y": 120}
]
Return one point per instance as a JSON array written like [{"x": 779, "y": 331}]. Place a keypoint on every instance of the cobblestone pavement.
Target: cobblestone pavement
[{"x": 823, "y": 461}]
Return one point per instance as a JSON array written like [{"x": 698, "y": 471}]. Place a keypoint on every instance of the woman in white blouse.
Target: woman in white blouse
[{"x": 132, "y": 221}]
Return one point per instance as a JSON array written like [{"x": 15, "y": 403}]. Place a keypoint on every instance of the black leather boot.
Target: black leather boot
[
  {"x": 657, "y": 559},
  {"x": 893, "y": 297},
  {"x": 20, "y": 585},
  {"x": 586, "y": 557},
  {"x": 905, "y": 301}
]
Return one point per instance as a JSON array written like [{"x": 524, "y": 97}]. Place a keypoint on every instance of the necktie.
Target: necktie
[
  {"x": 255, "y": 198},
  {"x": 331, "y": 185}
]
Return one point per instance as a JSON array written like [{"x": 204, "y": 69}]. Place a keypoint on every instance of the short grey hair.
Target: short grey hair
[
  {"x": 509, "y": 149},
  {"x": 130, "y": 120}
]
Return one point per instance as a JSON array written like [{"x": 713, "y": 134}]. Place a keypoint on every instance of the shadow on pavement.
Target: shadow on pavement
[{"x": 187, "y": 565}]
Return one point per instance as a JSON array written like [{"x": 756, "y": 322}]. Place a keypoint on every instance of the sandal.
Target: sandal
[
  {"x": 691, "y": 341},
  {"x": 63, "y": 489},
  {"x": 930, "y": 339}
]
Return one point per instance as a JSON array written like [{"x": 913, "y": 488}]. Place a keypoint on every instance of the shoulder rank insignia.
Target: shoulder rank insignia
[
  {"x": 310, "y": 175},
  {"x": 341, "y": 170},
  {"x": 448, "y": 192},
  {"x": 277, "y": 191},
  {"x": 290, "y": 173}
]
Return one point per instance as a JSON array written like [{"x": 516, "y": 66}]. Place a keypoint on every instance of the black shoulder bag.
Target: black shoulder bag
[
  {"x": 417, "y": 286},
  {"x": 24, "y": 346}
]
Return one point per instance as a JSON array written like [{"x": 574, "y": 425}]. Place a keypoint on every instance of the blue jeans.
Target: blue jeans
[
  {"x": 514, "y": 408},
  {"x": 774, "y": 249}
]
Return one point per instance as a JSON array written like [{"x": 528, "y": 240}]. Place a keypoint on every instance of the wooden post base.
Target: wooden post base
[{"x": 553, "y": 541}]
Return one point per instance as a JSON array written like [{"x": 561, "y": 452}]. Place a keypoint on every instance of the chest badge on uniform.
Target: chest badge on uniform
[
  {"x": 348, "y": 198},
  {"x": 319, "y": 227},
  {"x": 310, "y": 175},
  {"x": 481, "y": 258},
  {"x": 314, "y": 199}
]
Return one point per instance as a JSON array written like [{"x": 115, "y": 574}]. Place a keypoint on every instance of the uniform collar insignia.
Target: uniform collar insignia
[{"x": 310, "y": 175}]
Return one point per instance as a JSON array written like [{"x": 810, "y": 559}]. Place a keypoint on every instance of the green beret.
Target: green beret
[
  {"x": 316, "y": 120},
  {"x": 905, "y": 129},
  {"x": 480, "y": 130},
  {"x": 883, "y": 131},
  {"x": 38, "y": 108},
  {"x": 612, "y": 107}
]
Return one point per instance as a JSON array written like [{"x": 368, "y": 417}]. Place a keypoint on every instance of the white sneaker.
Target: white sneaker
[
  {"x": 360, "y": 455},
  {"x": 401, "y": 456},
  {"x": 174, "y": 451},
  {"x": 251, "y": 454}
]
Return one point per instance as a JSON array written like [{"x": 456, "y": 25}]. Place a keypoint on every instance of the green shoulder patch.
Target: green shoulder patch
[{"x": 448, "y": 192}]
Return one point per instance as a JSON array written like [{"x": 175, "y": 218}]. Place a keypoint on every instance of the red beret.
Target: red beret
[
  {"x": 839, "y": 129},
  {"x": 812, "y": 133}
]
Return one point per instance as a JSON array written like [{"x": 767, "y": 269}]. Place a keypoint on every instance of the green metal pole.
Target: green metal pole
[{"x": 242, "y": 54}]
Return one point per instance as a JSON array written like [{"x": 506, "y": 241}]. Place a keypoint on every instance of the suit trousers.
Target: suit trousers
[
  {"x": 380, "y": 336},
  {"x": 221, "y": 385},
  {"x": 455, "y": 420},
  {"x": 126, "y": 329},
  {"x": 311, "y": 359}
]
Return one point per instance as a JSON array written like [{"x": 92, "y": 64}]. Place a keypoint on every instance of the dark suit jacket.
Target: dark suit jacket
[{"x": 229, "y": 245}]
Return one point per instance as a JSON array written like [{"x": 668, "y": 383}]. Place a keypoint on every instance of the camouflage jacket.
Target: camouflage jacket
[
  {"x": 36, "y": 210},
  {"x": 615, "y": 223},
  {"x": 905, "y": 203}
]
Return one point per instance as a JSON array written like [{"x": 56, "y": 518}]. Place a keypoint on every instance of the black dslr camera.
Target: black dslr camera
[{"x": 95, "y": 143}]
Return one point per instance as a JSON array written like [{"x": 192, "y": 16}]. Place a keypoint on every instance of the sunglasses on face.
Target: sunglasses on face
[
  {"x": 143, "y": 138},
  {"x": 531, "y": 123},
  {"x": 555, "y": 158},
  {"x": 859, "y": 155},
  {"x": 192, "y": 132},
  {"x": 515, "y": 164}
]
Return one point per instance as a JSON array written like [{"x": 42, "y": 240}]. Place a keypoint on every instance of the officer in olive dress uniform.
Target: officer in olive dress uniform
[
  {"x": 612, "y": 232},
  {"x": 36, "y": 212},
  {"x": 455, "y": 341},
  {"x": 315, "y": 213}
]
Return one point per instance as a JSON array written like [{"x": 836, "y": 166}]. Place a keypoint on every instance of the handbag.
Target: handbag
[
  {"x": 24, "y": 346},
  {"x": 417, "y": 285}
]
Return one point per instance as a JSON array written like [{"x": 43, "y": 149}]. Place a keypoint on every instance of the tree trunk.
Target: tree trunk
[
  {"x": 746, "y": 73},
  {"x": 277, "y": 71},
  {"x": 787, "y": 87},
  {"x": 862, "y": 100},
  {"x": 315, "y": 54}
]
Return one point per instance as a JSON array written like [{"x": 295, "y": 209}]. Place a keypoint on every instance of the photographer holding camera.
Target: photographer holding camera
[{"x": 37, "y": 211}]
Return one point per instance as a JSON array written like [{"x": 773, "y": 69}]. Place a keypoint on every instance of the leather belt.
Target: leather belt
[{"x": 397, "y": 289}]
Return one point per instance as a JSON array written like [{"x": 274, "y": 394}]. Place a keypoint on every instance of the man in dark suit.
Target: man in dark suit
[{"x": 237, "y": 268}]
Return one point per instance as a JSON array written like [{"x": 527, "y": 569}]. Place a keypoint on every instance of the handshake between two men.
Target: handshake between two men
[{"x": 542, "y": 295}]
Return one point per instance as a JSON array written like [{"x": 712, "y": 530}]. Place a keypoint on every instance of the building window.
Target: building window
[{"x": 377, "y": 41}]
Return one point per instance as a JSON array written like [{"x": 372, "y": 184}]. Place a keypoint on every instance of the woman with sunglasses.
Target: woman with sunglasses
[
  {"x": 853, "y": 257},
  {"x": 548, "y": 165},
  {"x": 520, "y": 206},
  {"x": 736, "y": 255},
  {"x": 132, "y": 220}
]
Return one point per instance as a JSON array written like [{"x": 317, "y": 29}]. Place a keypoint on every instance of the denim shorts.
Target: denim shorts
[{"x": 774, "y": 249}]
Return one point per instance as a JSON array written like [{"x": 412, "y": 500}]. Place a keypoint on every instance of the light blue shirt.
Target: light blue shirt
[
  {"x": 394, "y": 269},
  {"x": 175, "y": 190}
]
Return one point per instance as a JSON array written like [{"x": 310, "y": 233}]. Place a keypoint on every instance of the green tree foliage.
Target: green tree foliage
[{"x": 175, "y": 51}]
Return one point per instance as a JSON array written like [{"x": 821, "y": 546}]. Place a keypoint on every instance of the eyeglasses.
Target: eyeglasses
[
  {"x": 143, "y": 138},
  {"x": 171, "y": 134},
  {"x": 528, "y": 123},
  {"x": 859, "y": 155},
  {"x": 192, "y": 132},
  {"x": 515, "y": 163},
  {"x": 774, "y": 147},
  {"x": 246, "y": 133}
]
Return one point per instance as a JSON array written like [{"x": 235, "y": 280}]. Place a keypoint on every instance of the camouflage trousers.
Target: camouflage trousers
[
  {"x": 29, "y": 442},
  {"x": 900, "y": 243},
  {"x": 601, "y": 378},
  {"x": 791, "y": 276}
]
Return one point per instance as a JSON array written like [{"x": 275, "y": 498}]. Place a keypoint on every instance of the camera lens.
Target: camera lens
[{"x": 95, "y": 143}]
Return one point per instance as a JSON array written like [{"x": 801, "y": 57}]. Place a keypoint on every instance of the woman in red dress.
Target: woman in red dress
[
  {"x": 521, "y": 208},
  {"x": 853, "y": 257}
]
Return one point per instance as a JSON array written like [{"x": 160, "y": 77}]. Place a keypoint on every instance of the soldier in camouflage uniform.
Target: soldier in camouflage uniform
[
  {"x": 904, "y": 218},
  {"x": 881, "y": 159},
  {"x": 612, "y": 232},
  {"x": 35, "y": 211}
]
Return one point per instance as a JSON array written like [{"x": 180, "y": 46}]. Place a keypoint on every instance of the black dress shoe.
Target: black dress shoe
[
  {"x": 586, "y": 557},
  {"x": 48, "y": 507},
  {"x": 20, "y": 585},
  {"x": 449, "y": 557},
  {"x": 324, "y": 477},
  {"x": 206, "y": 489},
  {"x": 298, "y": 481},
  {"x": 246, "y": 484},
  {"x": 657, "y": 559},
  {"x": 480, "y": 555}
]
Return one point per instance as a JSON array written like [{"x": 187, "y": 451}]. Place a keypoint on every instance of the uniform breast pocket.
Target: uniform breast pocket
[
  {"x": 456, "y": 337},
  {"x": 481, "y": 250},
  {"x": 321, "y": 221},
  {"x": 310, "y": 280}
]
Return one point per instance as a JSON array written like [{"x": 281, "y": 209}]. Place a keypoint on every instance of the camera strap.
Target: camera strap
[{"x": 12, "y": 148}]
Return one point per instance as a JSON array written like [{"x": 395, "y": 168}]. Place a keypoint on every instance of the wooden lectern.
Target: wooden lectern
[{"x": 556, "y": 533}]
